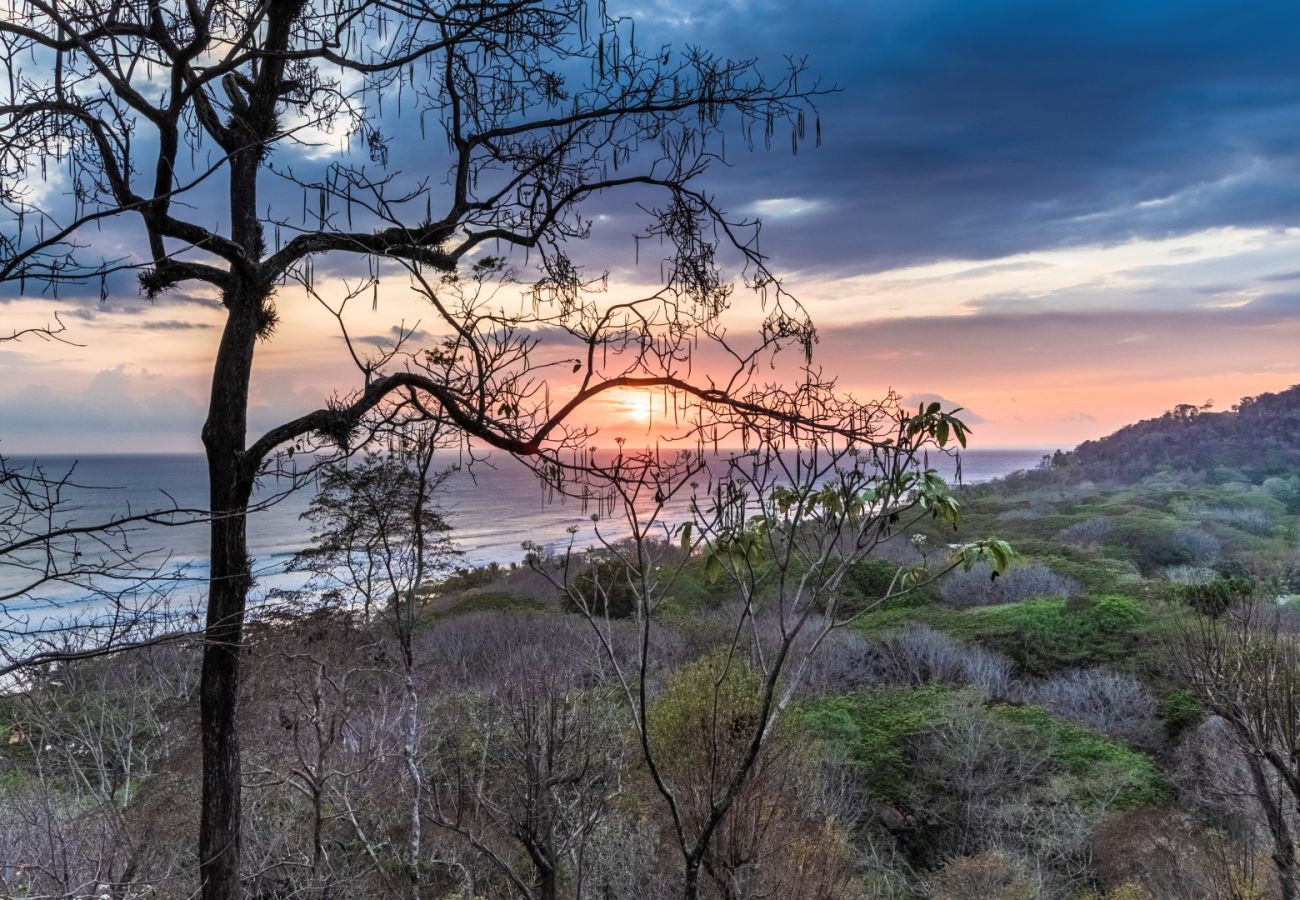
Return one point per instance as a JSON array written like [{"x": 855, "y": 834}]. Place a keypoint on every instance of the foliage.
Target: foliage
[
  {"x": 376, "y": 532},
  {"x": 1217, "y": 596},
  {"x": 1040, "y": 635},
  {"x": 1108, "y": 770},
  {"x": 711, "y": 698},
  {"x": 873, "y": 729},
  {"x": 1255, "y": 437},
  {"x": 606, "y": 586},
  {"x": 1179, "y": 710}
]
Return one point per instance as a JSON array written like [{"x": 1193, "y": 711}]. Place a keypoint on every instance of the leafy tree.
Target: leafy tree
[
  {"x": 378, "y": 538},
  {"x": 377, "y": 535},
  {"x": 780, "y": 531}
]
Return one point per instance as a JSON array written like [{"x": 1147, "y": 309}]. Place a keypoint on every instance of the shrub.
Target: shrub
[
  {"x": 978, "y": 587},
  {"x": 1086, "y": 532},
  {"x": 1247, "y": 518},
  {"x": 1157, "y": 545},
  {"x": 870, "y": 580},
  {"x": 1112, "y": 703},
  {"x": 989, "y": 876},
  {"x": 920, "y": 655},
  {"x": 1042, "y": 636},
  {"x": 872, "y": 730},
  {"x": 714, "y": 699},
  {"x": 1108, "y": 771},
  {"x": 488, "y": 601},
  {"x": 1179, "y": 710},
  {"x": 1217, "y": 596},
  {"x": 1285, "y": 490},
  {"x": 1126, "y": 891},
  {"x": 1188, "y": 574},
  {"x": 845, "y": 662},
  {"x": 605, "y": 588}
]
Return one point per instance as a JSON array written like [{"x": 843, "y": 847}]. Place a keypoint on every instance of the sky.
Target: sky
[{"x": 1062, "y": 217}]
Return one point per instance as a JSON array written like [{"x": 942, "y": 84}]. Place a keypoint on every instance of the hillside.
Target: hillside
[{"x": 1256, "y": 438}]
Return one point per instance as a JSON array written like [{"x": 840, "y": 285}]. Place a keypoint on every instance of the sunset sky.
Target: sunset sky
[{"x": 1061, "y": 216}]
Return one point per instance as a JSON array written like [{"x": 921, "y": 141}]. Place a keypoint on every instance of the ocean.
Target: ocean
[{"x": 492, "y": 509}]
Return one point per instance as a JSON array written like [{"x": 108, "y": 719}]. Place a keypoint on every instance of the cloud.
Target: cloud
[
  {"x": 413, "y": 338},
  {"x": 784, "y": 207},
  {"x": 117, "y": 404},
  {"x": 969, "y": 416},
  {"x": 980, "y": 130},
  {"x": 173, "y": 325}
]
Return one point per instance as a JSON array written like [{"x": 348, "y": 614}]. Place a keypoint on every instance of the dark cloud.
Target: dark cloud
[
  {"x": 960, "y": 130},
  {"x": 1282, "y": 276},
  {"x": 1033, "y": 349},
  {"x": 1281, "y": 304},
  {"x": 174, "y": 325},
  {"x": 413, "y": 338},
  {"x": 976, "y": 130},
  {"x": 968, "y": 416}
]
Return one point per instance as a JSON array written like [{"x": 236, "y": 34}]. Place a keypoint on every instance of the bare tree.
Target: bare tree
[
  {"x": 379, "y": 538},
  {"x": 83, "y": 737},
  {"x": 159, "y": 109},
  {"x": 524, "y": 778},
  {"x": 1245, "y": 668}
]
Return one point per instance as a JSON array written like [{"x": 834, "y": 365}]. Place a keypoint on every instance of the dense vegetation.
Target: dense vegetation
[
  {"x": 1255, "y": 438},
  {"x": 1044, "y": 734}
]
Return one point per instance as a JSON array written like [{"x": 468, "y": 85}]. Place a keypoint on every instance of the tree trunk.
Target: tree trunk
[
  {"x": 410, "y": 750},
  {"x": 691, "y": 888},
  {"x": 229, "y": 488},
  {"x": 1275, "y": 816}
]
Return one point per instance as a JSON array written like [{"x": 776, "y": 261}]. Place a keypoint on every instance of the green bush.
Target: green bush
[
  {"x": 868, "y": 581},
  {"x": 1214, "y": 598},
  {"x": 486, "y": 601},
  {"x": 1179, "y": 710},
  {"x": 706, "y": 713},
  {"x": 877, "y": 731},
  {"x": 872, "y": 730},
  {"x": 1107, "y": 771},
  {"x": 1040, "y": 635},
  {"x": 606, "y": 587}
]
